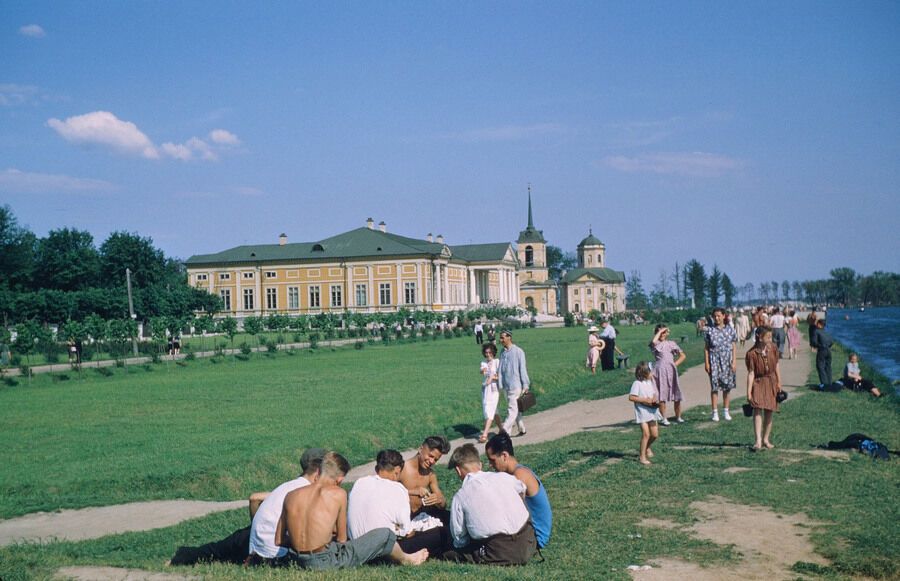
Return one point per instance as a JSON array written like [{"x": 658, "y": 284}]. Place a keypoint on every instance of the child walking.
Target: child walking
[
  {"x": 646, "y": 409},
  {"x": 490, "y": 389}
]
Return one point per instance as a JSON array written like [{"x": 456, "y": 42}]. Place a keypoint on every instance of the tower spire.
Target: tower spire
[{"x": 530, "y": 221}]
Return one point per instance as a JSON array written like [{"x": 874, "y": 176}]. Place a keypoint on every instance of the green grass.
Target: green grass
[
  {"x": 597, "y": 506},
  {"x": 205, "y": 430}
]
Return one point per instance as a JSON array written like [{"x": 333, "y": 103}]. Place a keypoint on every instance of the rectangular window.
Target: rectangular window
[
  {"x": 225, "y": 295},
  {"x": 248, "y": 299},
  {"x": 202, "y": 276},
  {"x": 337, "y": 295},
  {"x": 314, "y": 299},
  {"x": 293, "y": 297},
  {"x": 384, "y": 293},
  {"x": 588, "y": 292},
  {"x": 361, "y": 295},
  {"x": 248, "y": 275},
  {"x": 272, "y": 298},
  {"x": 271, "y": 274},
  {"x": 575, "y": 292},
  {"x": 409, "y": 293},
  {"x": 224, "y": 276}
]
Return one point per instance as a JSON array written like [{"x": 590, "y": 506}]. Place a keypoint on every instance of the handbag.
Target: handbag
[
  {"x": 526, "y": 401},
  {"x": 747, "y": 409}
]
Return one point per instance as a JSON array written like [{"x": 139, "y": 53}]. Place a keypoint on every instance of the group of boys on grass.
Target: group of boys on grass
[{"x": 396, "y": 515}]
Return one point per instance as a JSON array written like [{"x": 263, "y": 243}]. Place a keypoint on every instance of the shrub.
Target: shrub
[
  {"x": 448, "y": 334},
  {"x": 120, "y": 363},
  {"x": 272, "y": 347},
  {"x": 59, "y": 377},
  {"x": 291, "y": 351},
  {"x": 245, "y": 349},
  {"x": 313, "y": 340},
  {"x": 370, "y": 340},
  {"x": 154, "y": 356},
  {"x": 298, "y": 337},
  {"x": 279, "y": 338},
  {"x": 341, "y": 334},
  {"x": 104, "y": 371},
  {"x": 359, "y": 345},
  {"x": 190, "y": 356},
  {"x": 569, "y": 320},
  {"x": 457, "y": 332}
]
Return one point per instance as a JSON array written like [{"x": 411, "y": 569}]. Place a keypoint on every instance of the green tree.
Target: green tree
[
  {"x": 229, "y": 327},
  {"x": 559, "y": 261},
  {"x": 124, "y": 250},
  {"x": 28, "y": 334},
  {"x": 844, "y": 284},
  {"x": 714, "y": 286},
  {"x": 67, "y": 260},
  {"x": 97, "y": 328},
  {"x": 695, "y": 282},
  {"x": 635, "y": 297},
  {"x": 880, "y": 288},
  {"x": 254, "y": 326},
  {"x": 18, "y": 247},
  {"x": 728, "y": 290}
]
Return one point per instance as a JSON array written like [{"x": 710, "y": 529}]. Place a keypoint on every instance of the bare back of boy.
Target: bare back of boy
[{"x": 312, "y": 517}]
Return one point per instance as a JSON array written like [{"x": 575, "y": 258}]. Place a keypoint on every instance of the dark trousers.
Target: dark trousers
[
  {"x": 479, "y": 337},
  {"x": 608, "y": 355},
  {"x": 823, "y": 366},
  {"x": 232, "y": 549},
  {"x": 515, "y": 549},
  {"x": 778, "y": 338},
  {"x": 436, "y": 540}
]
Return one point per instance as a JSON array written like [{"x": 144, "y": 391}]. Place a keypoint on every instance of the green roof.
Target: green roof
[
  {"x": 492, "y": 252},
  {"x": 359, "y": 243},
  {"x": 531, "y": 234},
  {"x": 591, "y": 240},
  {"x": 601, "y": 274}
]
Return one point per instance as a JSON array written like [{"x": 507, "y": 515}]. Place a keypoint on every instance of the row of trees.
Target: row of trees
[
  {"x": 685, "y": 286},
  {"x": 688, "y": 284},
  {"x": 63, "y": 276}
]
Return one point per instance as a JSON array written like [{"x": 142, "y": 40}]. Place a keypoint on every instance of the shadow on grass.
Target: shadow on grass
[{"x": 601, "y": 453}]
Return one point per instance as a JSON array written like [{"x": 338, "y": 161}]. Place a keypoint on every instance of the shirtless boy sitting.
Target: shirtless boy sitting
[
  {"x": 420, "y": 480},
  {"x": 313, "y": 525}
]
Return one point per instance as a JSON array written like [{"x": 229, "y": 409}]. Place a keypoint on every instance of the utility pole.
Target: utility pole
[{"x": 134, "y": 347}]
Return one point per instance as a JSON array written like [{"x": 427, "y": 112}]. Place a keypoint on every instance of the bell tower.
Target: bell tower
[{"x": 532, "y": 250}]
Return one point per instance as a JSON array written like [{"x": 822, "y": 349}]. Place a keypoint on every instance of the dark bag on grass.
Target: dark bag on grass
[
  {"x": 526, "y": 401},
  {"x": 747, "y": 409}
]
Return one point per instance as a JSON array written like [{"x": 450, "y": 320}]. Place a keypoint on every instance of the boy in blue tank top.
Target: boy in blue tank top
[{"x": 499, "y": 450}]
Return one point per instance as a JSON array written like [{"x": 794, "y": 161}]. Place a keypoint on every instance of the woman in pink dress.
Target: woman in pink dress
[
  {"x": 793, "y": 333},
  {"x": 665, "y": 371},
  {"x": 595, "y": 346}
]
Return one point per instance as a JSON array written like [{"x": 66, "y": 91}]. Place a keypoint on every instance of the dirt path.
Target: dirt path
[{"x": 579, "y": 416}]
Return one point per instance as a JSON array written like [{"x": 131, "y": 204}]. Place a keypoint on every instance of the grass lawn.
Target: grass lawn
[
  {"x": 218, "y": 431},
  {"x": 600, "y": 493}
]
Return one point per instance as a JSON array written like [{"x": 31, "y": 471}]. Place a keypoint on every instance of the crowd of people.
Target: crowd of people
[{"x": 396, "y": 515}]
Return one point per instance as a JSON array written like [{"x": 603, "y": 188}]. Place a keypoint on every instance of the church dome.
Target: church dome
[{"x": 591, "y": 240}]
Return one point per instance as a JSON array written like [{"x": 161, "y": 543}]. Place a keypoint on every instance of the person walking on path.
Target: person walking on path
[
  {"x": 721, "y": 362},
  {"x": 514, "y": 380},
  {"x": 490, "y": 389},
  {"x": 479, "y": 333},
  {"x": 811, "y": 322},
  {"x": 776, "y": 322},
  {"x": 742, "y": 327},
  {"x": 763, "y": 385},
  {"x": 646, "y": 409},
  {"x": 665, "y": 372},
  {"x": 793, "y": 333}
]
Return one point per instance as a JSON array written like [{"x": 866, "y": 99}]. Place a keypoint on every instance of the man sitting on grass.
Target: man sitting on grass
[
  {"x": 380, "y": 501},
  {"x": 488, "y": 520},
  {"x": 257, "y": 540},
  {"x": 313, "y": 525},
  {"x": 499, "y": 451},
  {"x": 420, "y": 480}
]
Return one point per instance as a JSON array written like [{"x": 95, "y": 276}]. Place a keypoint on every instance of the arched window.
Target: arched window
[
  {"x": 577, "y": 308},
  {"x": 529, "y": 256},
  {"x": 529, "y": 302},
  {"x": 602, "y": 307}
]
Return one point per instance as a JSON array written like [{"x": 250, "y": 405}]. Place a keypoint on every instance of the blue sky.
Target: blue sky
[{"x": 761, "y": 137}]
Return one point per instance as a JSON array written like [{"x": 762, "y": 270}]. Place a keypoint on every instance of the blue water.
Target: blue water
[{"x": 873, "y": 333}]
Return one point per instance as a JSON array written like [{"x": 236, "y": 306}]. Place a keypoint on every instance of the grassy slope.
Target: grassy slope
[
  {"x": 219, "y": 431},
  {"x": 597, "y": 505}
]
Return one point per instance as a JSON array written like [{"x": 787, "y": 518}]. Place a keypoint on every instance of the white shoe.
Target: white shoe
[
  {"x": 715, "y": 416},
  {"x": 665, "y": 422},
  {"x": 727, "y": 416},
  {"x": 679, "y": 420}
]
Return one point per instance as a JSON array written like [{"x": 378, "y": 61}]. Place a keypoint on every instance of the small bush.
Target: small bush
[
  {"x": 147, "y": 367},
  {"x": 279, "y": 338},
  {"x": 190, "y": 356},
  {"x": 291, "y": 351},
  {"x": 298, "y": 337},
  {"x": 243, "y": 357},
  {"x": 448, "y": 334},
  {"x": 246, "y": 350},
  {"x": 59, "y": 377},
  {"x": 104, "y": 371},
  {"x": 181, "y": 364},
  {"x": 10, "y": 381},
  {"x": 370, "y": 341},
  {"x": 341, "y": 334},
  {"x": 569, "y": 320},
  {"x": 359, "y": 345},
  {"x": 314, "y": 341},
  {"x": 120, "y": 363},
  {"x": 154, "y": 357},
  {"x": 457, "y": 332},
  {"x": 272, "y": 347}
]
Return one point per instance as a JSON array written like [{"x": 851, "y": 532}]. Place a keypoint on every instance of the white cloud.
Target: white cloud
[
  {"x": 507, "y": 132},
  {"x": 32, "y": 31},
  {"x": 20, "y": 182},
  {"x": 642, "y": 133},
  {"x": 696, "y": 163},
  {"x": 105, "y": 129},
  {"x": 12, "y": 94},
  {"x": 224, "y": 137},
  {"x": 177, "y": 151}
]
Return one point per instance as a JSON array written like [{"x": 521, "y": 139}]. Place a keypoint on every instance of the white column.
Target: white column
[
  {"x": 258, "y": 292},
  {"x": 438, "y": 286},
  {"x": 502, "y": 276},
  {"x": 238, "y": 291},
  {"x": 371, "y": 291},
  {"x": 401, "y": 294},
  {"x": 473, "y": 300},
  {"x": 349, "y": 292},
  {"x": 445, "y": 290}
]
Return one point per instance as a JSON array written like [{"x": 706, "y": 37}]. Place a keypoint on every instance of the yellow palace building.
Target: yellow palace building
[{"x": 364, "y": 270}]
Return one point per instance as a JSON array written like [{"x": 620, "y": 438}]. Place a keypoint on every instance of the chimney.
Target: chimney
[
  {"x": 440, "y": 239},
  {"x": 370, "y": 224},
  {"x": 430, "y": 238},
  {"x": 382, "y": 226},
  {"x": 282, "y": 239}
]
